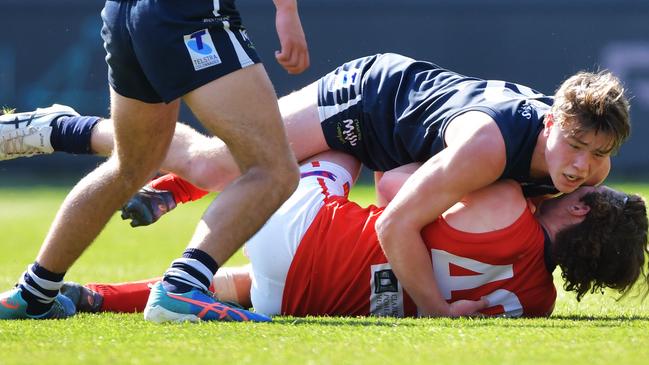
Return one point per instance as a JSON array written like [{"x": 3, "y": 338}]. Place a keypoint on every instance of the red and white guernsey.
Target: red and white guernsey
[{"x": 340, "y": 269}]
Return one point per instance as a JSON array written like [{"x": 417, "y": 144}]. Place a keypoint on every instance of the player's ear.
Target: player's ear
[
  {"x": 548, "y": 121},
  {"x": 579, "y": 209}
]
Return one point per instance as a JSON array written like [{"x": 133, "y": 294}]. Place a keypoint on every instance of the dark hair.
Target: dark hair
[
  {"x": 607, "y": 249},
  {"x": 594, "y": 102}
]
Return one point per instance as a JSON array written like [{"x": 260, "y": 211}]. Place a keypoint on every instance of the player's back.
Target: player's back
[{"x": 409, "y": 104}]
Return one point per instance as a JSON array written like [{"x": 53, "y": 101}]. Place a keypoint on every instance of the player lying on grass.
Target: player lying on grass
[
  {"x": 319, "y": 253},
  {"x": 389, "y": 110}
]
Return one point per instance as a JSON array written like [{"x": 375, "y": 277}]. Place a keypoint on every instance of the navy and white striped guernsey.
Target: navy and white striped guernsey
[{"x": 390, "y": 110}]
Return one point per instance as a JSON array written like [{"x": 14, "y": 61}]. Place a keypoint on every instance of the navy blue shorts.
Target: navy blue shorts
[{"x": 158, "y": 51}]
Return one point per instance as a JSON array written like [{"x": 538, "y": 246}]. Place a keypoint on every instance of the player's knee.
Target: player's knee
[
  {"x": 134, "y": 172},
  {"x": 288, "y": 176},
  {"x": 280, "y": 179}
]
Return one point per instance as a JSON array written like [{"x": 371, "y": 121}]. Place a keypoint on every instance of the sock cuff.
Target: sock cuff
[
  {"x": 43, "y": 273},
  {"x": 203, "y": 257}
]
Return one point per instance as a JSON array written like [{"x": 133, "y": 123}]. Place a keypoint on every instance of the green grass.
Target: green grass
[{"x": 598, "y": 330}]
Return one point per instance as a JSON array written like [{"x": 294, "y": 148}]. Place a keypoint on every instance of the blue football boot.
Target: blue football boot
[
  {"x": 13, "y": 306},
  {"x": 193, "y": 306}
]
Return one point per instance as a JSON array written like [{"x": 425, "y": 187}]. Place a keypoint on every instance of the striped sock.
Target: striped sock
[
  {"x": 39, "y": 288},
  {"x": 195, "y": 269}
]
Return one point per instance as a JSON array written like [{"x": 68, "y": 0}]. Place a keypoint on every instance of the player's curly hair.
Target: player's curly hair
[
  {"x": 607, "y": 249},
  {"x": 594, "y": 102}
]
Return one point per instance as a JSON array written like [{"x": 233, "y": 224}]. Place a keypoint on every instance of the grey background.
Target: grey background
[{"x": 51, "y": 52}]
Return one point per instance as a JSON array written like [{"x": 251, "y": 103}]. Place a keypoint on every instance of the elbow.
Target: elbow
[
  {"x": 384, "y": 190},
  {"x": 386, "y": 228}
]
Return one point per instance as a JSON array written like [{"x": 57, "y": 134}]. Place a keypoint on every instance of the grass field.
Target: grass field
[{"x": 598, "y": 330}]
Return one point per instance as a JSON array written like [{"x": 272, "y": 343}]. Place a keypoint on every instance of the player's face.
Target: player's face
[{"x": 572, "y": 158}]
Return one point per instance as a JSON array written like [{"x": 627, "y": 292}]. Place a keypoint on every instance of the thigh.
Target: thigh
[
  {"x": 241, "y": 109},
  {"x": 300, "y": 115},
  {"x": 142, "y": 131}
]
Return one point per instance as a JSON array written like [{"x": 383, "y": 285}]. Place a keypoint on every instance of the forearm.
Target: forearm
[
  {"x": 389, "y": 183},
  {"x": 294, "y": 53},
  {"x": 381, "y": 200},
  {"x": 285, "y": 5},
  {"x": 411, "y": 263},
  {"x": 423, "y": 198}
]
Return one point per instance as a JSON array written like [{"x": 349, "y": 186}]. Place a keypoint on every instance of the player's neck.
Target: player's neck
[{"x": 550, "y": 226}]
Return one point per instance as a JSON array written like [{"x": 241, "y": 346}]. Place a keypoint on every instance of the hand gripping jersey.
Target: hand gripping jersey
[
  {"x": 340, "y": 269},
  {"x": 389, "y": 110}
]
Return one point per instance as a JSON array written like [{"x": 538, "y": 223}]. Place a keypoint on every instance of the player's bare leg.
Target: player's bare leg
[
  {"x": 212, "y": 166},
  {"x": 92, "y": 202},
  {"x": 206, "y": 161},
  {"x": 246, "y": 117},
  {"x": 232, "y": 284},
  {"x": 257, "y": 140},
  {"x": 97, "y": 196}
]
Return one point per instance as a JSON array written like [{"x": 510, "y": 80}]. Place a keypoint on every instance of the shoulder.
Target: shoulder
[
  {"x": 504, "y": 196},
  {"x": 491, "y": 208},
  {"x": 475, "y": 127},
  {"x": 476, "y": 136},
  {"x": 469, "y": 124}
]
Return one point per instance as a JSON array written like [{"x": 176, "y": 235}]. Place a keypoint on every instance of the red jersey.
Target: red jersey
[{"x": 340, "y": 269}]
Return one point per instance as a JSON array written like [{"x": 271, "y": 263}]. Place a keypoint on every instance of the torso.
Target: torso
[
  {"x": 340, "y": 269},
  {"x": 406, "y": 105}
]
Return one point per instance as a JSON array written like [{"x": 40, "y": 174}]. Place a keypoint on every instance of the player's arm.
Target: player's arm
[
  {"x": 381, "y": 200},
  {"x": 294, "y": 55},
  {"x": 388, "y": 183},
  {"x": 474, "y": 158}
]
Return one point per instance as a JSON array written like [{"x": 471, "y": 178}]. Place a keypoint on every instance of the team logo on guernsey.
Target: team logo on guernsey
[
  {"x": 525, "y": 110},
  {"x": 201, "y": 50}
]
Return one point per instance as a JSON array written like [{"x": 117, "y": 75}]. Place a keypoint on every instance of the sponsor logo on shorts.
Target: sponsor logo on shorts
[
  {"x": 217, "y": 19},
  {"x": 349, "y": 131},
  {"x": 386, "y": 298},
  {"x": 246, "y": 38},
  {"x": 201, "y": 50}
]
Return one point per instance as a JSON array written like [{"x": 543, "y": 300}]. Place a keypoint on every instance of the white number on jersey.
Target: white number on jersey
[{"x": 485, "y": 273}]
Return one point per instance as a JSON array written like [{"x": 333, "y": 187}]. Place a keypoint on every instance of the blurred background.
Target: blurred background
[{"x": 51, "y": 52}]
